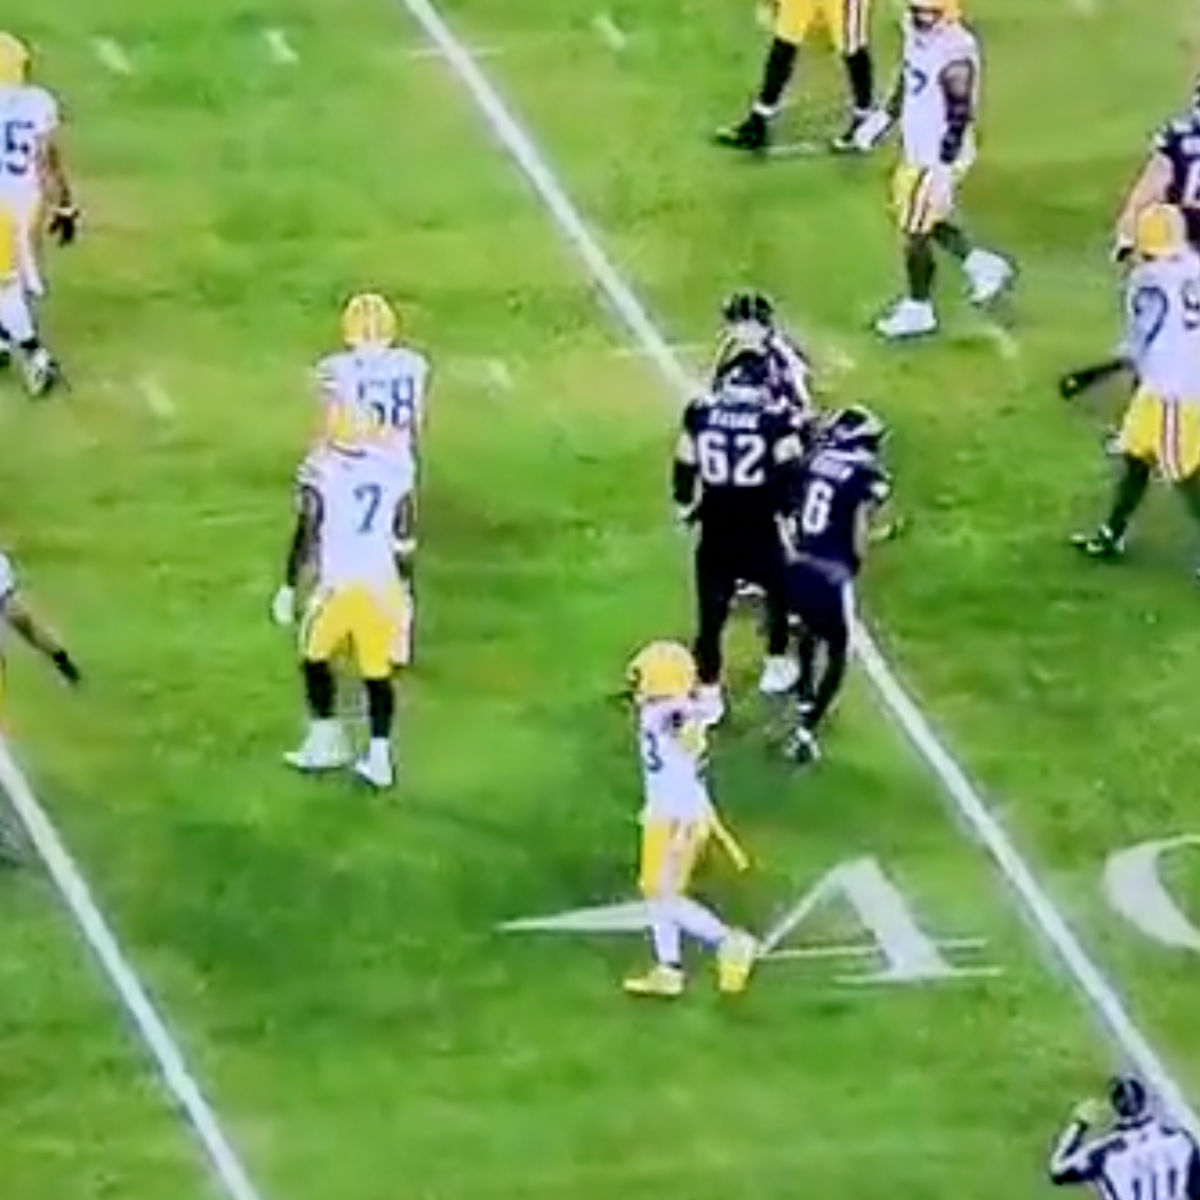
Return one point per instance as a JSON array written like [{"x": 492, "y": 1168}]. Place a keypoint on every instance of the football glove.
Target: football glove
[
  {"x": 1122, "y": 250},
  {"x": 64, "y": 224},
  {"x": 685, "y": 515},
  {"x": 283, "y": 607},
  {"x": 872, "y": 129},
  {"x": 1089, "y": 1111}
]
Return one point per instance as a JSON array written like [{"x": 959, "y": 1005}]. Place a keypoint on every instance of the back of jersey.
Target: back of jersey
[
  {"x": 737, "y": 436},
  {"x": 832, "y": 490},
  {"x": 1179, "y": 143},
  {"x": 27, "y": 115},
  {"x": 1163, "y": 313},
  {"x": 1150, "y": 1161},
  {"x": 359, "y": 495},
  {"x": 375, "y": 395}
]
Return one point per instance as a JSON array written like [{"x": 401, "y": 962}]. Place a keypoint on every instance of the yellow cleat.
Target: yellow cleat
[
  {"x": 735, "y": 960},
  {"x": 658, "y": 981}
]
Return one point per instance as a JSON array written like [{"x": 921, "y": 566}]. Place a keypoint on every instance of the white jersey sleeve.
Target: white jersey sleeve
[
  {"x": 8, "y": 577},
  {"x": 673, "y": 752}
]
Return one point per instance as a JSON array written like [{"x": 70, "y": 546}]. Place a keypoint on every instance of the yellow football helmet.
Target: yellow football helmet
[
  {"x": 928, "y": 14},
  {"x": 662, "y": 671},
  {"x": 1159, "y": 231},
  {"x": 14, "y": 60},
  {"x": 369, "y": 320}
]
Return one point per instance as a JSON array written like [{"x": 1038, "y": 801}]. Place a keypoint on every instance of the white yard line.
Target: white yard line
[
  {"x": 280, "y": 48},
  {"x": 158, "y": 1040},
  {"x": 498, "y": 374},
  {"x": 1094, "y": 986},
  {"x": 156, "y": 397},
  {"x": 854, "y": 950},
  {"x": 610, "y": 32},
  {"x": 112, "y": 55}
]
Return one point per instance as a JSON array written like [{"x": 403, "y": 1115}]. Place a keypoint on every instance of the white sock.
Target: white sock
[
  {"x": 15, "y": 316},
  {"x": 325, "y": 728},
  {"x": 698, "y": 922},
  {"x": 664, "y": 933}
]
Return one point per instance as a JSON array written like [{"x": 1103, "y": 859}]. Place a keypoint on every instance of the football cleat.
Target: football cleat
[
  {"x": 376, "y": 768},
  {"x": 662, "y": 981},
  {"x": 849, "y": 141},
  {"x": 752, "y": 135},
  {"x": 988, "y": 275},
  {"x": 802, "y": 747},
  {"x": 42, "y": 373},
  {"x": 906, "y": 319},
  {"x": 735, "y": 961},
  {"x": 1103, "y": 545},
  {"x": 324, "y": 749},
  {"x": 779, "y": 675},
  {"x": 710, "y": 704},
  {"x": 746, "y": 591}
]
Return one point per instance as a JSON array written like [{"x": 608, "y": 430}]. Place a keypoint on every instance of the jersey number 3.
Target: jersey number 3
[{"x": 732, "y": 459}]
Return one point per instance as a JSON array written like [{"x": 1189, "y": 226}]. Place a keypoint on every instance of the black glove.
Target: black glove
[
  {"x": 66, "y": 667},
  {"x": 64, "y": 224}
]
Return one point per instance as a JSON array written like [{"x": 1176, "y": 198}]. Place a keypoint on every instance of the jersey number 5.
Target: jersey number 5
[
  {"x": 17, "y": 145},
  {"x": 732, "y": 459}
]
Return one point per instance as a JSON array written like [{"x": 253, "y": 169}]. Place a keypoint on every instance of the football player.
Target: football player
[
  {"x": 826, "y": 535},
  {"x": 678, "y": 821},
  {"x": 1170, "y": 175},
  {"x": 33, "y": 181},
  {"x": 355, "y": 510},
  {"x": 848, "y": 25},
  {"x": 1161, "y": 427},
  {"x": 736, "y": 445},
  {"x": 935, "y": 101}
]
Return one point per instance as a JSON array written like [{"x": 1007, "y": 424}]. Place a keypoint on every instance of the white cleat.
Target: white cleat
[
  {"x": 41, "y": 373},
  {"x": 710, "y": 704},
  {"x": 780, "y": 675},
  {"x": 988, "y": 275},
  {"x": 907, "y": 318},
  {"x": 324, "y": 749},
  {"x": 375, "y": 767}
]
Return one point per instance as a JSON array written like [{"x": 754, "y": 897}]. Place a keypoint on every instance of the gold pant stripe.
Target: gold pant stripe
[{"x": 919, "y": 206}]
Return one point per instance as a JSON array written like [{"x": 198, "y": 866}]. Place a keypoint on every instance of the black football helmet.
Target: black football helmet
[
  {"x": 855, "y": 428},
  {"x": 1129, "y": 1099},
  {"x": 745, "y": 375},
  {"x": 749, "y": 306}
]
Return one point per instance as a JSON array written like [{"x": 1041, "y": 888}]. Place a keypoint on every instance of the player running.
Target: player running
[
  {"x": 33, "y": 181},
  {"x": 1170, "y": 175},
  {"x": 678, "y": 820},
  {"x": 356, "y": 518},
  {"x": 734, "y": 452},
  {"x": 840, "y": 488},
  {"x": 1161, "y": 427},
  {"x": 848, "y": 25},
  {"x": 1138, "y": 1157},
  {"x": 936, "y": 100}
]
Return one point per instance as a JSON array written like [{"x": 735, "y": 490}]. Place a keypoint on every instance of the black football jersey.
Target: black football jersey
[
  {"x": 744, "y": 449},
  {"x": 1179, "y": 142},
  {"x": 828, "y": 493}
]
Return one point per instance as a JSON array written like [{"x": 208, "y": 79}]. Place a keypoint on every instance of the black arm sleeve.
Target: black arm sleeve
[
  {"x": 683, "y": 483},
  {"x": 958, "y": 121}
]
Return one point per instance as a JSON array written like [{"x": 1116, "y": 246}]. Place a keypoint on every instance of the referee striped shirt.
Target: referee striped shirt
[{"x": 1146, "y": 1159}]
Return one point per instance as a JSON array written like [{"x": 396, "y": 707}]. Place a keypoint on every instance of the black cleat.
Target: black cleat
[
  {"x": 753, "y": 135},
  {"x": 5, "y": 355},
  {"x": 844, "y": 143},
  {"x": 1101, "y": 545},
  {"x": 802, "y": 747}
]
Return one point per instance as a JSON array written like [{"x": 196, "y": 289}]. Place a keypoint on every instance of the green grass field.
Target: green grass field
[{"x": 331, "y": 962}]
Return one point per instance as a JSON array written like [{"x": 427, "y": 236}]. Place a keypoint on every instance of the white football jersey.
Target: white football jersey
[
  {"x": 673, "y": 750},
  {"x": 28, "y": 115},
  {"x": 1162, "y": 305},
  {"x": 375, "y": 395},
  {"x": 927, "y": 54},
  {"x": 359, "y": 495}
]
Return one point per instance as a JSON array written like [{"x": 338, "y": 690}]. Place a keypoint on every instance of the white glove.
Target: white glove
[
  {"x": 685, "y": 515},
  {"x": 872, "y": 129},
  {"x": 283, "y": 607}
]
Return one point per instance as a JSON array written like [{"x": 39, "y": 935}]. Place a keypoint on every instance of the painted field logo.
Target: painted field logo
[
  {"x": 1134, "y": 887},
  {"x": 894, "y": 947}
]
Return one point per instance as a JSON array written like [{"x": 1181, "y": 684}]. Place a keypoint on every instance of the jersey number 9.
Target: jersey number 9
[{"x": 732, "y": 459}]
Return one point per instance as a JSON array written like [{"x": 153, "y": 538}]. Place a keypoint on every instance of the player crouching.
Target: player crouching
[
  {"x": 1162, "y": 347},
  {"x": 355, "y": 522},
  {"x": 935, "y": 99},
  {"x": 678, "y": 819}
]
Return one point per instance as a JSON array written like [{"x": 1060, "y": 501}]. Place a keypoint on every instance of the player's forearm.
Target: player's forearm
[
  {"x": 894, "y": 101},
  {"x": 1068, "y": 1162},
  {"x": 57, "y": 181},
  {"x": 684, "y": 476},
  {"x": 298, "y": 550}
]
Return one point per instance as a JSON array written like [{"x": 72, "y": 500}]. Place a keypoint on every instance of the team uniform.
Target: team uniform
[
  {"x": 1171, "y": 175},
  {"x": 29, "y": 168},
  {"x": 359, "y": 603},
  {"x": 936, "y": 101},
  {"x": 678, "y": 822},
  {"x": 735, "y": 451},
  {"x": 847, "y": 26},
  {"x": 841, "y": 484},
  {"x": 1140, "y": 1157},
  {"x": 1161, "y": 428}
]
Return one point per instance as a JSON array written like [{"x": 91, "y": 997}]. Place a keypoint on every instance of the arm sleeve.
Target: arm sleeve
[{"x": 1073, "y": 1159}]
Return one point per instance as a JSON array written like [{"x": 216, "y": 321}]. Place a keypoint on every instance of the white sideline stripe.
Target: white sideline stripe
[
  {"x": 610, "y": 32},
  {"x": 131, "y": 993},
  {"x": 1100, "y": 994},
  {"x": 111, "y": 55},
  {"x": 854, "y": 950},
  {"x": 156, "y": 397},
  {"x": 280, "y": 48}
]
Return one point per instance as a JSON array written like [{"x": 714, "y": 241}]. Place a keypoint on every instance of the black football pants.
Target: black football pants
[
  {"x": 723, "y": 560},
  {"x": 822, "y": 602}
]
